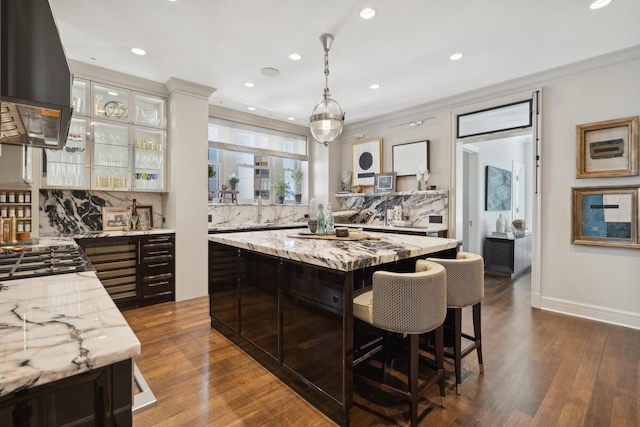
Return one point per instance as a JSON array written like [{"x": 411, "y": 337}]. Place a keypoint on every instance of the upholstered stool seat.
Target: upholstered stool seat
[
  {"x": 465, "y": 287},
  {"x": 410, "y": 304}
]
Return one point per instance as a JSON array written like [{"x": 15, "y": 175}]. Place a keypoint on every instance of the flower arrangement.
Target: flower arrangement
[{"x": 233, "y": 179}]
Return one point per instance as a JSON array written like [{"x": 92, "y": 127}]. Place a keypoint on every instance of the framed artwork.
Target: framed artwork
[
  {"x": 497, "y": 189},
  {"x": 141, "y": 217},
  {"x": 367, "y": 161},
  {"x": 607, "y": 149},
  {"x": 115, "y": 218},
  {"x": 605, "y": 216},
  {"x": 384, "y": 182},
  {"x": 408, "y": 159}
]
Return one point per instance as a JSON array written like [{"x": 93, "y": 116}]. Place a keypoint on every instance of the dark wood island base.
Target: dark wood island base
[{"x": 294, "y": 318}]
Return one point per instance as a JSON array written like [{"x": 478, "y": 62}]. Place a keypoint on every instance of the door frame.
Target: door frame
[{"x": 456, "y": 201}]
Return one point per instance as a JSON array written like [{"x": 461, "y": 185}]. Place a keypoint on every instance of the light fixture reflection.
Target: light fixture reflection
[{"x": 327, "y": 118}]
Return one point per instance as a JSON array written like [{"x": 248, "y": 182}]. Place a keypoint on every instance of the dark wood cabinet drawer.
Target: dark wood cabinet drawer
[{"x": 153, "y": 286}]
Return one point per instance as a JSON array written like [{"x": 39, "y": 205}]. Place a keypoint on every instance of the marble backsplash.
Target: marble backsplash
[
  {"x": 417, "y": 206},
  {"x": 231, "y": 215},
  {"x": 78, "y": 211}
]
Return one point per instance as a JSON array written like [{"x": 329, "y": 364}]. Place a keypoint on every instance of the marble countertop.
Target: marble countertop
[
  {"x": 57, "y": 326},
  {"x": 337, "y": 255}
]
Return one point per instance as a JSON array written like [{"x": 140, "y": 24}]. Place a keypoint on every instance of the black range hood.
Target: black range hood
[{"x": 35, "y": 90}]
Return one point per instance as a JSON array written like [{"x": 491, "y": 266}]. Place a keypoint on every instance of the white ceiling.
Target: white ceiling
[{"x": 405, "y": 48}]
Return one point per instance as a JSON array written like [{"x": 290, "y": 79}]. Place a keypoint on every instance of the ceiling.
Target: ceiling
[{"x": 405, "y": 48}]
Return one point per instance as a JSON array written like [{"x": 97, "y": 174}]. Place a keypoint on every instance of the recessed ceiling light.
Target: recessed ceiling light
[
  {"x": 269, "y": 72},
  {"x": 291, "y": 118},
  {"x": 367, "y": 13},
  {"x": 138, "y": 51},
  {"x": 599, "y": 4},
  {"x": 112, "y": 93},
  {"x": 173, "y": 0},
  {"x": 249, "y": 84},
  {"x": 251, "y": 108},
  {"x": 375, "y": 86},
  {"x": 456, "y": 56},
  {"x": 295, "y": 57}
]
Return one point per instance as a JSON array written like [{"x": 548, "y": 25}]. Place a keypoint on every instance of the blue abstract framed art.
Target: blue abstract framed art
[
  {"x": 606, "y": 216},
  {"x": 497, "y": 189}
]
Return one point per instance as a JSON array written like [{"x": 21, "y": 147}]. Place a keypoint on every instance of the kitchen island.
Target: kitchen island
[
  {"x": 65, "y": 353},
  {"x": 287, "y": 301}
]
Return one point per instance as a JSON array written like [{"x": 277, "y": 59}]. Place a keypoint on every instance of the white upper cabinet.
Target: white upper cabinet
[{"x": 117, "y": 141}]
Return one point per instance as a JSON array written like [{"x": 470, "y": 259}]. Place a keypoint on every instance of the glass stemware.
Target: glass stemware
[{"x": 134, "y": 222}]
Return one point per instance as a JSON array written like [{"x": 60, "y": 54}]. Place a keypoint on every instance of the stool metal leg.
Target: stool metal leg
[
  {"x": 457, "y": 347},
  {"x": 477, "y": 332}
]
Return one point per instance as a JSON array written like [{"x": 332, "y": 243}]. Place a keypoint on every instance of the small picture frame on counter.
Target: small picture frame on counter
[
  {"x": 384, "y": 182},
  {"x": 145, "y": 215},
  {"x": 115, "y": 218}
]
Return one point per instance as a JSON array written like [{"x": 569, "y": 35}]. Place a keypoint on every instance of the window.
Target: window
[{"x": 258, "y": 156}]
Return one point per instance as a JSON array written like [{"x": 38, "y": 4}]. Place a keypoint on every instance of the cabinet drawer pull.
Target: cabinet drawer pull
[
  {"x": 156, "y": 253},
  {"x": 164, "y": 264},
  {"x": 158, "y": 284}
]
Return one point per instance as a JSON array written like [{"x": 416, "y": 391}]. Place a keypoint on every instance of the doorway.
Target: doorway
[{"x": 516, "y": 150}]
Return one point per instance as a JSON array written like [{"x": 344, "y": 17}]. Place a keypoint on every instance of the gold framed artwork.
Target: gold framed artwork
[
  {"x": 366, "y": 160},
  {"x": 115, "y": 218},
  {"x": 606, "y": 216},
  {"x": 607, "y": 149}
]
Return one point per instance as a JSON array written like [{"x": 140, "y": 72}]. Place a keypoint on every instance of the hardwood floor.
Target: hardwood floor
[{"x": 541, "y": 369}]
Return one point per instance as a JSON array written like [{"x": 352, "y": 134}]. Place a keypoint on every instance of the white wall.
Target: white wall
[{"x": 595, "y": 282}]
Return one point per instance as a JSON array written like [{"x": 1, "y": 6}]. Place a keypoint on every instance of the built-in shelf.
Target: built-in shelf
[{"x": 394, "y": 193}]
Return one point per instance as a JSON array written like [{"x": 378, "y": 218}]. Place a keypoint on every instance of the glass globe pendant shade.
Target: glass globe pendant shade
[{"x": 326, "y": 121}]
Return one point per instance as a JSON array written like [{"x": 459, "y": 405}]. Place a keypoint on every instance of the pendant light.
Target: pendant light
[{"x": 327, "y": 118}]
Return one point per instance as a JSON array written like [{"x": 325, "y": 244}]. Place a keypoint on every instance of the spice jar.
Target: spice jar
[
  {"x": 3, "y": 212},
  {"x": 12, "y": 212},
  {"x": 27, "y": 197},
  {"x": 20, "y": 212},
  {"x": 20, "y": 197},
  {"x": 27, "y": 212},
  {"x": 11, "y": 197},
  {"x": 3, "y": 197}
]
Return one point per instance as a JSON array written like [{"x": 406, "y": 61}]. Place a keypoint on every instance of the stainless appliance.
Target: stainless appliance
[
  {"x": 23, "y": 262},
  {"x": 35, "y": 89}
]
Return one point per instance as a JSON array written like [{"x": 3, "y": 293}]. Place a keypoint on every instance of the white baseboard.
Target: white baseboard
[{"x": 592, "y": 312}]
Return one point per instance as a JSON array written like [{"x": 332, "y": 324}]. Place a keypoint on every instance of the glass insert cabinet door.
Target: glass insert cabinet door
[
  {"x": 110, "y": 102},
  {"x": 149, "y": 160},
  {"x": 111, "y": 156},
  {"x": 149, "y": 110},
  {"x": 80, "y": 94},
  {"x": 69, "y": 167}
]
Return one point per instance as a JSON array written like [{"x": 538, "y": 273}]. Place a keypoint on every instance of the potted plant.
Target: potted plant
[
  {"x": 297, "y": 174},
  {"x": 281, "y": 189},
  {"x": 233, "y": 181},
  {"x": 212, "y": 172}
]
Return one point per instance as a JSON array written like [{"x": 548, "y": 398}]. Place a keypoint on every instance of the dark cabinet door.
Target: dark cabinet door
[
  {"x": 101, "y": 397},
  {"x": 259, "y": 307},
  {"x": 225, "y": 272}
]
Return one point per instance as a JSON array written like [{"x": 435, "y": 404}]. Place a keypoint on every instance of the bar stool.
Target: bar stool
[
  {"x": 465, "y": 287},
  {"x": 412, "y": 304}
]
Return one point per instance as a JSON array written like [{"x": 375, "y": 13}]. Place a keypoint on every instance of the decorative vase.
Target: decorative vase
[
  {"x": 233, "y": 186},
  {"x": 501, "y": 224},
  {"x": 223, "y": 187},
  {"x": 359, "y": 189}
]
